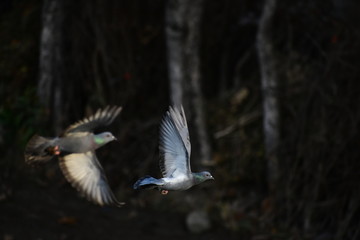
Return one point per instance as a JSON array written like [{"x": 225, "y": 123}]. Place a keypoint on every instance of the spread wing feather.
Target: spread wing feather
[
  {"x": 85, "y": 173},
  {"x": 179, "y": 119},
  {"x": 174, "y": 144},
  {"x": 102, "y": 117}
]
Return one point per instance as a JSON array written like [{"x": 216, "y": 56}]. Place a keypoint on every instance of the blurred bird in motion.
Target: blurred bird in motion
[
  {"x": 174, "y": 149},
  {"x": 76, "y": 151}
]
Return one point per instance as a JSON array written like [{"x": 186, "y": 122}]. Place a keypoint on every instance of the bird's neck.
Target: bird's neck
[
  {"x": 198, "y": 178},
  {"x": 99, "y": 141}
]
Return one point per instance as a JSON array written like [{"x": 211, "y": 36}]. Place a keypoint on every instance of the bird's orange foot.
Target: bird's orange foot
[
  {"x": 57, "y": 150},
  {"x": 164, "y": 192}
]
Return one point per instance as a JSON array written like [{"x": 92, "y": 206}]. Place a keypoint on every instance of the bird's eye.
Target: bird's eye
[{"x": 107, "y": 135}]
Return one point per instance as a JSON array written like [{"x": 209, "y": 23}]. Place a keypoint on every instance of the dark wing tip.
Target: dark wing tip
[
  {"x": 102, "y": 117},
  {"x": 105, "y": 202},
  {"x": 119, "y": 204},
  {"x": 111, "y": 202},
  {"x": 108, "y": 200}
]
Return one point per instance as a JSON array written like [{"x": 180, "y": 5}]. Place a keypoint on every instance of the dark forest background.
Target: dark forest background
[{"x": 270, "y": 88}]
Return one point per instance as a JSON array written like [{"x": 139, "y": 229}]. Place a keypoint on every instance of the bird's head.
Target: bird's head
[
  {"x": 203, "y": 176},
  {"x": 103, "y": 138}
]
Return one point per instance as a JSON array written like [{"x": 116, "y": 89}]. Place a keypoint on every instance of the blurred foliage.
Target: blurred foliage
[{"x": 19, "y": 110}]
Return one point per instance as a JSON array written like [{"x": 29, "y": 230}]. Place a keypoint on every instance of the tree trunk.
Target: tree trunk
[
  {"x": 183, "y": 19},
  {"x": 192, "y": 53},
  {"x": 269, "y": 82},
  {"x": 175, "y": 25},
  {"x": 49, "y": 87}
]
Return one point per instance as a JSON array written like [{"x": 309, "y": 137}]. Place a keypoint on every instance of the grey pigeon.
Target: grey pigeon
[
  {"x": 76, "y": 151},
  {"x": 174, "y": 149}
]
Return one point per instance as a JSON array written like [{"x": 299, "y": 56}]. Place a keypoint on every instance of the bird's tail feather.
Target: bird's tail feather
[
  {"x": 148, "y": 182},
  {"x": 39, "y": 149}
]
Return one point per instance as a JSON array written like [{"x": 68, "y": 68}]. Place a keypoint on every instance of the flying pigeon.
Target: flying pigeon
[
  {"x": 76, "y": 151},
  {"x": 174, "y": 149}
]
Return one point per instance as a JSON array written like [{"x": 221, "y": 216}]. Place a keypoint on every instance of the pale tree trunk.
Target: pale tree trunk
[
  {"x": 269, "y": 82},
  {"x": 192, "y": 53},
  {"x": 183, "y": 19},
  {"x": 49, "y": 87},
  {"x": 175, "y": 25}
]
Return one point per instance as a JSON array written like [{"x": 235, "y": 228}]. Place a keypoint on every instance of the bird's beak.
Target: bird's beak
[
  {"x": 115, "y": 139},
  {"x": 212, "y": 178}
]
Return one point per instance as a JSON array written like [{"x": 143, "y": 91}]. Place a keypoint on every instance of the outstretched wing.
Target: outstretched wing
[
  {"x": 85, "y": 173},
  {"x": 174, "y": 145},
  {"x": 179, "y": 119},
  {"x": 102, "y": 117}
]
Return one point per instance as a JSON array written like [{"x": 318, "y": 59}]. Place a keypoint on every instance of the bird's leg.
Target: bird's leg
[
  {"x": 57, "y": 150},
  {"x": 164, "y": 192},
  {"x": 53, "y": 150}
]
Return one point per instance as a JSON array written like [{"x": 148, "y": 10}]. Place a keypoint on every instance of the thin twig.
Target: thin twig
[{"x": 243, "y": 121}]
